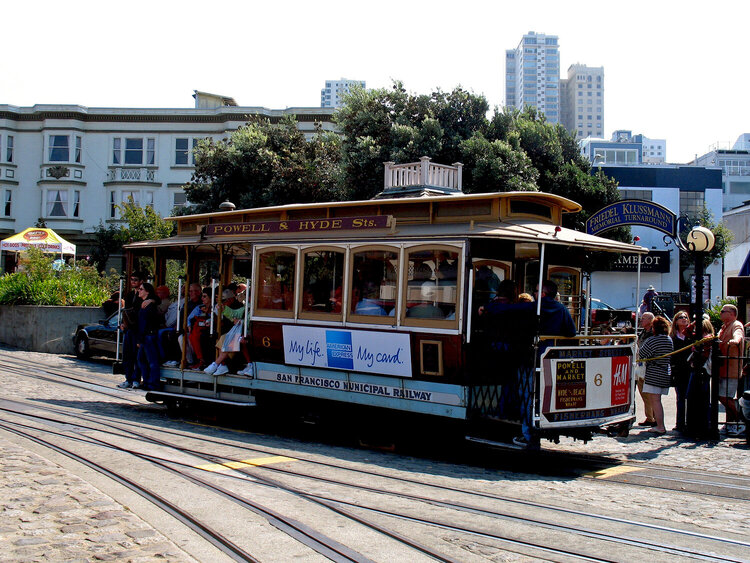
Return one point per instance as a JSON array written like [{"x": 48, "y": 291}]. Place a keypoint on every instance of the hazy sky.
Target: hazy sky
[{"x": 677, "y": 70}]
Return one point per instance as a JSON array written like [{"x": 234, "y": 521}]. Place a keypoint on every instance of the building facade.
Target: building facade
[
  {"x": 582, "y": 101},
  {"x": 624, "y": 148},
  {"x": 332, "y": 95},
  {"x": 682, "y": 189},
  {"x": 532, "y": 75},
  {"x": 735, "y": 170},
  {"x": 71, "y": 166}
]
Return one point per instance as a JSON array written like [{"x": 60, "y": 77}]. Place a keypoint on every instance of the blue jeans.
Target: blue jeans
[
  {"x": 130, "y": 356},
  {"x": 148, "y": 359},
  {"x": 526, "y": 400}
]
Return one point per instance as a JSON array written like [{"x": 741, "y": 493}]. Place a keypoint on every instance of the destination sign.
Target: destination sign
[
  {"x": 300, "y": 226},
  {"x": 633, "y": 212}
]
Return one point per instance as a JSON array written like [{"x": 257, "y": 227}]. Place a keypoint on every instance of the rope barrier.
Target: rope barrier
[{"x": 697, "y": 343}]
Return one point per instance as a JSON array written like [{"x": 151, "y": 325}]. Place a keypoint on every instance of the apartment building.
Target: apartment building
[{"x": 72, "y": 165}]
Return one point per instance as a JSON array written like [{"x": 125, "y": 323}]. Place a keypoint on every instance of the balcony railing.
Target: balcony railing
[
  {"x": 118, "y": 174},
  {"x": 737, "y": 170},
  {"x": 423, "y": 173}
]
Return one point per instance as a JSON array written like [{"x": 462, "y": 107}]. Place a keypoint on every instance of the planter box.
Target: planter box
[{"x": 40, "y": 328}]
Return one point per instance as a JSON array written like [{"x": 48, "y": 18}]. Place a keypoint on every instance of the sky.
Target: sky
[{"x": 673, "y": 70}]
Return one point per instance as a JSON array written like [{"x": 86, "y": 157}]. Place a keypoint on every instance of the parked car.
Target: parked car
[
  {"x": 603, "y": 314},
  {"x": 97, "y": 339}
]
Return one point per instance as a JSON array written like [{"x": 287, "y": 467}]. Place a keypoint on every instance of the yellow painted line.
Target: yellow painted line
[
  {"x": 611, "y": 471},
  {"x": 244, "y": 463}
]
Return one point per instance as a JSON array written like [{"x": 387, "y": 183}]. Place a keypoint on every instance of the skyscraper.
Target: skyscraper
[
  {"x": 582, "y": 101},
  {"x": 330, "y": 96},
  {"x": 532, "y": 75}
]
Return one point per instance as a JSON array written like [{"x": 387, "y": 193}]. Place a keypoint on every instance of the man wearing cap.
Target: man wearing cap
[{"x": 232, "y": 315}]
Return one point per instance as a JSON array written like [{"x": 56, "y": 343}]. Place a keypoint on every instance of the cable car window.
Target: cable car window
[
  {"x": 431, "y": 287},
  {"x": 276, "y": 280},
  {"x": 374, "y": 283},
  {"x": 323, "y": 280}
]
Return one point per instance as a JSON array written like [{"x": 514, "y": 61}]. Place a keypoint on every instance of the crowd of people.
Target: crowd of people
[
  {"x": 152, "y": 338},
  {"x": 670, "y": 358}
]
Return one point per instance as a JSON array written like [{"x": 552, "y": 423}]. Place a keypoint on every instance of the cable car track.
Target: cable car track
[
  {"x": 734, "y": 487},
  {"x": 479, "y": 510}
]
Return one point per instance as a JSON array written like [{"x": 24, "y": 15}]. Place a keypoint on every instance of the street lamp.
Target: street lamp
[{"x": 699, "y": 241}]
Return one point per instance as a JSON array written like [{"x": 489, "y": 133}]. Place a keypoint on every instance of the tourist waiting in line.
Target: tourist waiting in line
[
  {"x": 681, "y": 333},
  {"x": 731, "y": 347},
  {"x": 658, "y": 370},
  {"x": 699, "y": 394},
  {"x": 148, "y": 330},
  {"x": 646, "y": 322}
]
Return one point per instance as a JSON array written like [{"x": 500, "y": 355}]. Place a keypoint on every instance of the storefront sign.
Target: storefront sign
[
  {"x": 300, "y": 226},
  {"x": 352, "y": 350},
  {"x": 633, "y": 212},
  {"x": 654, "y": 261}
]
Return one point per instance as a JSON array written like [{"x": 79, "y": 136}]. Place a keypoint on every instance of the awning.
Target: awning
[{"x": 45, "y": 240}]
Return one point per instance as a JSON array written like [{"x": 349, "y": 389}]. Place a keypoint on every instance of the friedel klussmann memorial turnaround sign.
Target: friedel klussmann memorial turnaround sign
[{"x": 633, "y": 212}]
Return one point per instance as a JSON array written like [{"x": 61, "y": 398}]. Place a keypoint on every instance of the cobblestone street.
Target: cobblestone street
[{"x": 51, "y": 512}]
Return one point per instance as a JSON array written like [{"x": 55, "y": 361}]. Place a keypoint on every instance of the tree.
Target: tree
[
  {"x": 265, "y": 163},
  {"x": 140, "y": 223},
  {"x": 723, "y": 235},
  {"x": 143, "y": 223}
]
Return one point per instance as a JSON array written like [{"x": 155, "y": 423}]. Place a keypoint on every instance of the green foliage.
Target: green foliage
[
  {"x": 40, "y": 284},
  {"x": 270, "y": 164},
  {"x": 263, "y": 164},
  {"x": 143, "y": 223},
  {"x": 107, "y": 240},
  {"x": 723, "y": 235}
]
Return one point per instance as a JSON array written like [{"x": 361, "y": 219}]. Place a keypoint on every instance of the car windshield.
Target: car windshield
[{"x": 600, "y": 305}]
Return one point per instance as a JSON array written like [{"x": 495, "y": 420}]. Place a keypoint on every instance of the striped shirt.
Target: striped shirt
[{"x": 658, "y": 372}]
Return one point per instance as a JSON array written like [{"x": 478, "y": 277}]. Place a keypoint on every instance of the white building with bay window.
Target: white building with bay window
[{"x": 72, "y": 166}]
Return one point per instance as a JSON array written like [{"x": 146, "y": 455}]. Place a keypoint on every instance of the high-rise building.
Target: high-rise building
[
  {"x": 331, "y": 96},
  {"x": 582, "y": 101},
  {"x": 532, "y": 75}
]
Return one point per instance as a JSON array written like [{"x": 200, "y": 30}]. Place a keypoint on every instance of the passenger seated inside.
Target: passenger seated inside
[
  {"x": 369, "y": 304},
  {"x": 423, "y": 294}
]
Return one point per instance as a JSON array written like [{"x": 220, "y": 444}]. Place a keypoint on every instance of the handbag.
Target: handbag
[{"x": 232, "y": 339}]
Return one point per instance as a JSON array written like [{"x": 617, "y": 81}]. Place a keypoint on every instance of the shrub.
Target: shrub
[{"x": 40, "y": 284}]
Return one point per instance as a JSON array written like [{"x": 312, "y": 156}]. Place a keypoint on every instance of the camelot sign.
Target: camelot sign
[
  {"x": 655, "y": 261},
  {"x": 633, "y": 212}
]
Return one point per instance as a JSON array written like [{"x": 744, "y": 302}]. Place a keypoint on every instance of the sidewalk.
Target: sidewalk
[{"x": 729, "y": 455}]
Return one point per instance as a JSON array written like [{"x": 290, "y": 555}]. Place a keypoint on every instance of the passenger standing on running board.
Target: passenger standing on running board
[{"x": 129, "y": 327}]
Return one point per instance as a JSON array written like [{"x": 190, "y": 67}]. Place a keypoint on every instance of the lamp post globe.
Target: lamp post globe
[{"x": 700, "y": 239}]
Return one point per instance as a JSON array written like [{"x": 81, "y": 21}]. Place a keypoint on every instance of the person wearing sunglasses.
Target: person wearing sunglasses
[
  {"x": 148, "y": 330},
  {"x": 680, "y": 333},
  {"x": 731, "y": 348}
]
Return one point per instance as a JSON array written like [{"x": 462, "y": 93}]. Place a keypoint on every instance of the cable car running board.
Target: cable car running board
[{"x": 153, "y": 396}]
